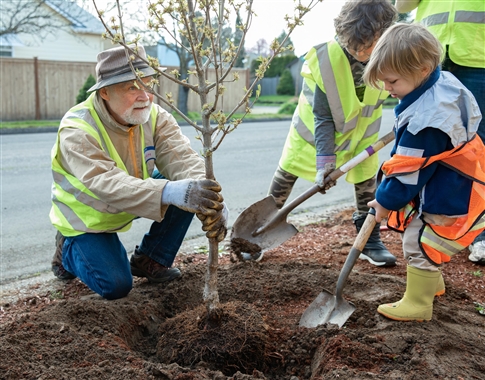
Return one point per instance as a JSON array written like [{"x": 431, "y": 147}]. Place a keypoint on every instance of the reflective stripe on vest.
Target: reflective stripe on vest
[
  {"x": 305, "y": 132},
  {"x": 356, "y": 123},
  {"x": 459, "y": 25},
  {"x": 460, "y": 16},
  {"x": 75, "y": 209},
  {"x": 439, "y": 250}
]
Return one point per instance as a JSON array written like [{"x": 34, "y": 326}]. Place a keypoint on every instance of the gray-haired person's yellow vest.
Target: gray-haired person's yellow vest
[
  {"x": 458, "y": 24},
  {"x": 75, "y": 209},
  {"x": 356, "y": 123}
]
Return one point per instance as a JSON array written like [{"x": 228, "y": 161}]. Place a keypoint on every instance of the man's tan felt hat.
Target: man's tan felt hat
[{"x": 113, "y": 67}]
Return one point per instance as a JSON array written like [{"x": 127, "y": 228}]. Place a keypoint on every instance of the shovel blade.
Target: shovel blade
[
  {"x": 326, "y": 308},
  {"x": 257, "y": 215}
]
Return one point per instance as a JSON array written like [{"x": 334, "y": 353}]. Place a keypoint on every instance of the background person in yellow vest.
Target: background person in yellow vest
[
  {"x": 434, "y": 180},
  {"x": 460, "y": 27},
  {"x": 338, "y": 116},
  {"x": 104, "y": 166}
]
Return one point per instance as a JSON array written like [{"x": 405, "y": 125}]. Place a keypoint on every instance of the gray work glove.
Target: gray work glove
[
  {"x": 325, "y": 165},
  {"x": 198, "y": 196},
  {"x": 216, "y": 226}
]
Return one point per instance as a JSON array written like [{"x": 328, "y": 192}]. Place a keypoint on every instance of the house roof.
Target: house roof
[{"x": 81, "y": 20}]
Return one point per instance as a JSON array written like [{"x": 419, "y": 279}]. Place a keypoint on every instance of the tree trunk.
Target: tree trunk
[
  {"x": 211, "y": 294},
  {"x": 183, "y": 99}
]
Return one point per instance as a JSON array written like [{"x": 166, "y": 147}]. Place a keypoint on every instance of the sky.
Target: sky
[
  {"x": 269, "y": 23},
  {"x": 317, "y": 28}
]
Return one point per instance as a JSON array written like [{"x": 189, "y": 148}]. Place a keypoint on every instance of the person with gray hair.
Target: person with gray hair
[
  {"x": 337, "y": 116},
  {"x": 118, "y": 156}
]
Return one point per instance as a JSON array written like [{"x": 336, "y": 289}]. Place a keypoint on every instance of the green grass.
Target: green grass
[
  {"x": 273, "y": 100},
  {"x": 29, "y": 124}
]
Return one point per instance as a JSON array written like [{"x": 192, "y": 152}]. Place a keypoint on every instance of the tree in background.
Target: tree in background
[
  {"x": 192, "y": 20},
  {"x": 83, "y": 92},
  {"x": 238, "y": 36},
  {"x": 285, "y": 85},
  {"x": 285, "y": 40},
  {"x": 279, "y": 63},
  {"x": 261, "y": 48},
  {"x": 37, "y": 18}
]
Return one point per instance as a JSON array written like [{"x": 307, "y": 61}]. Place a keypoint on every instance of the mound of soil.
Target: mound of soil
[{"x": 163, "y": 331}]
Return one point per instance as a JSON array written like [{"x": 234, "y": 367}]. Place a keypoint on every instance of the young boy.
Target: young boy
[
  {"x": 338, "y": 116},
  {"x": 434, "y": 180}
]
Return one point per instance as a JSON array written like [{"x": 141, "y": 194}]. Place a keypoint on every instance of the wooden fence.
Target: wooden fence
[{"x": 32, "y": 89}]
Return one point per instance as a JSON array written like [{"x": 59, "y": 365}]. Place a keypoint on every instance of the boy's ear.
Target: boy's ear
[{"x": 425, "y": 71}]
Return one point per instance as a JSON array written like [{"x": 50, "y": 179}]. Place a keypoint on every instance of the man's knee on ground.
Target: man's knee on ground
[{"x": 119, "y": 288}]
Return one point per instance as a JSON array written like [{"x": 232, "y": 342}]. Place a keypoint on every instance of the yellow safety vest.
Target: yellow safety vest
[
  {"x": 356, "y": 123},
  {"x": 459, "y": 25},
  {"x": 75, "y": 209}
]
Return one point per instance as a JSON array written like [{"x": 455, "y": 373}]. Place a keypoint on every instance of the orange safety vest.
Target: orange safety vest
[{"x": 438, "y": 243}]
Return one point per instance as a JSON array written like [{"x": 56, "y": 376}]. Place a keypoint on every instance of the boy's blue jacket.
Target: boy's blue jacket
[{"x": 435, "y": 117}]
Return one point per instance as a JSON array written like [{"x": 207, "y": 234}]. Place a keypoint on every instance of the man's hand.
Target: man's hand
[
  {"x": 216, "y": 226},
  {"x": 197, "y": 196},
  {"x": 325, "y": 165}
]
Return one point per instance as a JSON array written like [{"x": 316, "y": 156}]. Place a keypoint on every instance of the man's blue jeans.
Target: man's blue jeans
[
  {"x": 473, "y": 79},
  {"x": 101, "y": 262}
]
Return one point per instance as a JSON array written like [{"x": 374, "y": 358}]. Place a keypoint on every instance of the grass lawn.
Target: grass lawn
[{"x": 29, "y": 124}]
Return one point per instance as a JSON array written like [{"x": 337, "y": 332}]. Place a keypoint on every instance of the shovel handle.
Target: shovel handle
[
  {"x": 333, "y": 176},
  {"x": 357, "y": 248}
]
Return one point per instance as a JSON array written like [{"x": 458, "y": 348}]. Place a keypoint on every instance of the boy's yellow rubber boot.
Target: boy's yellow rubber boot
[
  {"x": 440, "y": 288},
  {"x": 417, "y": 302}
]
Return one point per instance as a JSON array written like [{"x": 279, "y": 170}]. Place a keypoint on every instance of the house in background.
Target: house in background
[
  {"x": 295, "y": 69},
  {"x": 77, "y": 39},
  {"x": 165, "y": 56},
  {"x": 43, "y": 69}
]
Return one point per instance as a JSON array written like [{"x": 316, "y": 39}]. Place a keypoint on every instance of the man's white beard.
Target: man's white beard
[{"x": 140, "y": 117}]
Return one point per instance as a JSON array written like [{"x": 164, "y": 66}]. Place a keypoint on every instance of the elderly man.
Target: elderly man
[{"x": 104, "y": 165}]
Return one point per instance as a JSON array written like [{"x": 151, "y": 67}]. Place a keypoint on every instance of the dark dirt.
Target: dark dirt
[{"x": 161, "y": 331}]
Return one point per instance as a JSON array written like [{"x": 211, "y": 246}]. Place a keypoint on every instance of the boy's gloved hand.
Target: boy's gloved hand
[
  {"x": 325, "y": 165},
  {"x": 198, "y": 196},
  {"x": 216, "y": 226}
]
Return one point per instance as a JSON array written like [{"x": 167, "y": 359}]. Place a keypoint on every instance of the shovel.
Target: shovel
[
  {"x": 329, "y": 308},
  {"x": 263, "y": 226}
]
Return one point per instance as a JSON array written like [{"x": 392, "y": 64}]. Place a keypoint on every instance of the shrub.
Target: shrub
[
  {"x": 83, "y": 94},
  {"x": 276, "y": 68},
  {"x": 285, "y": 85},
  {"x": 289, "y": 107}
]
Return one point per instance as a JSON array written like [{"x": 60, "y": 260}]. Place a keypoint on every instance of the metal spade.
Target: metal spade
[
  {"x": 329, "y": 308},
  {"x": 263, "y": 226}
]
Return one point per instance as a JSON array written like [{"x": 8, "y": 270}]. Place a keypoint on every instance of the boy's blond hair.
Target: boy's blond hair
[
  {"x": 404, "y": 49},
  {"x": 360, "y": 22}
]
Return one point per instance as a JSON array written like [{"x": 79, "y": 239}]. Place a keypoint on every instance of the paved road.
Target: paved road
[{"x": 244, "y": 166}]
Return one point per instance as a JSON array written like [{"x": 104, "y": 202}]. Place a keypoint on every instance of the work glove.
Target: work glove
[
  {"x": 216, "y": 226},
  {"x": 325, "y": 165},
  {"x": 198, "y": 196}
]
